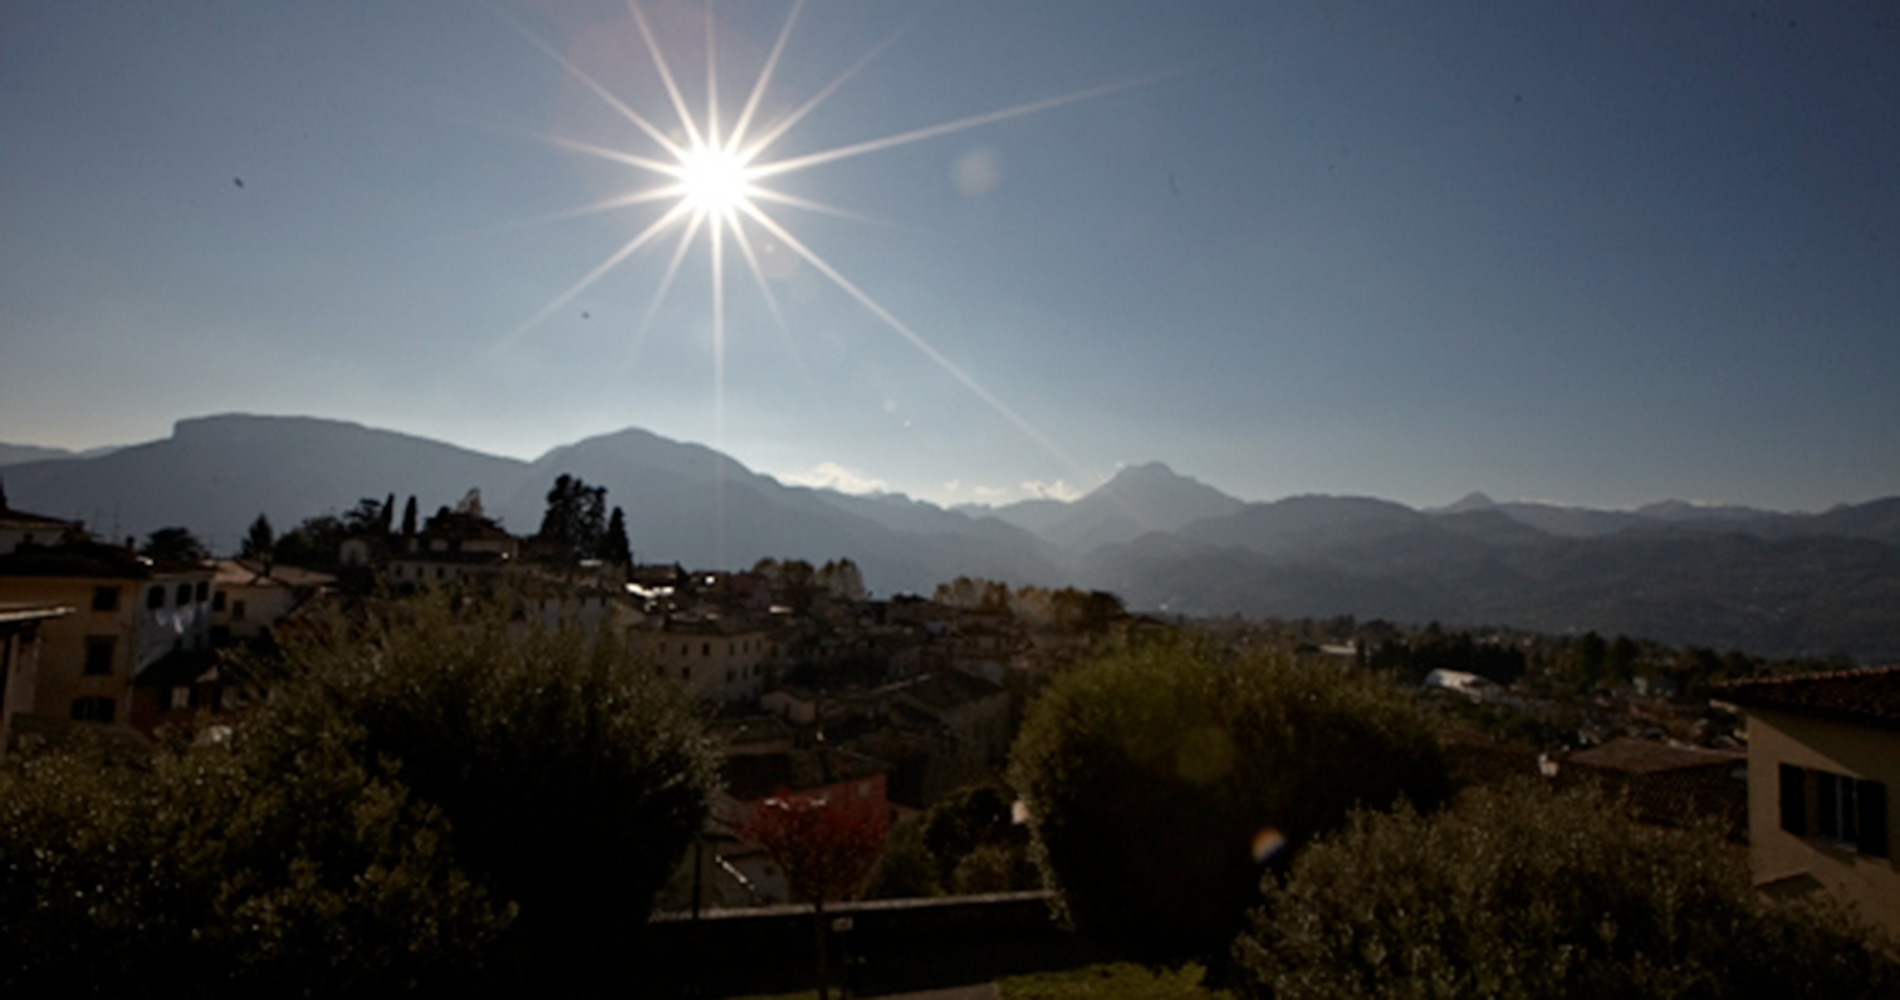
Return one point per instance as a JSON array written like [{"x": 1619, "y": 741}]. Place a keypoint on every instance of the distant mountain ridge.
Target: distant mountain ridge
[{"x": 1714, "y": 575}]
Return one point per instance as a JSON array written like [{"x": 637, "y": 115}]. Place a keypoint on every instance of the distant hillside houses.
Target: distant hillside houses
[{"x": 813, "y": 687}]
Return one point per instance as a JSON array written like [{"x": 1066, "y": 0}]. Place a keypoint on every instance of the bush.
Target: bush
[
  {"x": 1520, "y": 892},
  {"x": 1160, "y": 779},
  {"x": 433, "y": 804},
  {"x": 573, "y": 779},
  {"x": 198, "y": 872}
]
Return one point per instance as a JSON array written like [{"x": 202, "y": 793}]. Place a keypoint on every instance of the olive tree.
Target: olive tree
[
  {"x": 196, "y": 870},
  {"x": 1161, "y": 779},
  {"x": 572, "y": 776},
  {"x": 436, "y": 801},
  {"x": 1527, "y": 893}
]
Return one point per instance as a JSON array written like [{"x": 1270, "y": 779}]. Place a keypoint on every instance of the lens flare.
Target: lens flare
[{"x": 1266, "y": 844}]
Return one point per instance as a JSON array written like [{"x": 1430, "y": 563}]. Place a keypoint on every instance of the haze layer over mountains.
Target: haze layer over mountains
[{"x": 1770, "y": 583}]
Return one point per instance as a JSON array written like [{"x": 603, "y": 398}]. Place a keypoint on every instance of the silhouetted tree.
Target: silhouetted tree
[
  {"x": 1160, "y": 779},
  {"x": 175, "y": 545},
  {"x": 312, "y": 544},
  {"x": 576, "y": 518},
  {"x": 260, "y": 540},
  {"x": 364, "y": 518},
  {"x": 409, "y": 517},
  {"x": 388, "y": 516},
  {"x": 616, "y": 548},
  {"x": 842, "y": 579},
  {"x": 573, "y": 779}
]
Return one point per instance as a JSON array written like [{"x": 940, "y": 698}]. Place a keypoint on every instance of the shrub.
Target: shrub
[
  {"x": 197, "y": 872},
  {"x": 435, "y": 803},
  {"x": 1159, "y": 779},
  {"x": 1520, "y": 892},
  {"x": 573, "y": 778}
]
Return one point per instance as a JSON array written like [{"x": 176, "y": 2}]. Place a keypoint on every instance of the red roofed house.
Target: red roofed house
[{"x": 1823, "y": 750}]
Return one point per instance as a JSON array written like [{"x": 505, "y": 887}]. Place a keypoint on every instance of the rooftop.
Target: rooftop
[
  {"x": 1869, "y": 697},
  {"x": 1630, "y": 755}
]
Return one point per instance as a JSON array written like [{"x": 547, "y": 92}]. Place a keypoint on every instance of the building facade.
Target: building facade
[{"x": 1823, "y": 752}]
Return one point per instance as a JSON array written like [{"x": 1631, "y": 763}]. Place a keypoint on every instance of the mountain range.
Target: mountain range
[{"x": 1769, "y": 582}]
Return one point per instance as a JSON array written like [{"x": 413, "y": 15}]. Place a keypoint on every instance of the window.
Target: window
[
  {"x": 155, "y": 598},
  {"x": 94, "y": 709},
  {"x": 184, "y": 594},
  {"x": 705, "y": 649},
  {"x": 217, "y": 600},
  {"x": 203, "y": 590},
  {"x": 105, "y": 598},
  {"x": 237, "y": 611},
  {"x": 1846, "y": 810},
  {"x": 180, "y": 698},
  {"x": 99, "y": 650}
]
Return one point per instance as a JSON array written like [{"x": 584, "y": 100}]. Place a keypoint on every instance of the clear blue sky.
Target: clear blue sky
[{"x": 1602, "y": 253}]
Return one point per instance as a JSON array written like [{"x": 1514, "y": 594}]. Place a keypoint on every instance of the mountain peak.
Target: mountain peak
[
  {"x": 1146, "y": 475},
  {"x": 1474, "y": 500}
]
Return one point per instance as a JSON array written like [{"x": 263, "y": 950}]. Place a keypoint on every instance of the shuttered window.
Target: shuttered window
[
  {"x": 1873, "y": 817},
  {"x": 1794, "y": 800}
]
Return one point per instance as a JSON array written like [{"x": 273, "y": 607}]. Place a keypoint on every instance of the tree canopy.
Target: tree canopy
[
  {"x": 424, "y": 798},
  {"x": 576, "y": 518},
  {"x": 1526, "y": 893},
  {"x": 259, "y": 540},
  {"x": 1161, "y": 778},
  {"x": 175, "y": 544}
]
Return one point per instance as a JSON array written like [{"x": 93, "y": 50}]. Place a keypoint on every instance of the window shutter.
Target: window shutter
[
  {"x": 1873, "y": 817},
  {"x": 1794, "y": 800},
  {"x": 1826, "y": 806}
]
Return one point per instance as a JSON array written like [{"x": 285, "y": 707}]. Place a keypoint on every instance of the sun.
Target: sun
[{"x": 714, "y": 181}]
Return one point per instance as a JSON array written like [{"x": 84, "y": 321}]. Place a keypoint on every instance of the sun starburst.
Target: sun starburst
[{"x": 716, "y": 182}]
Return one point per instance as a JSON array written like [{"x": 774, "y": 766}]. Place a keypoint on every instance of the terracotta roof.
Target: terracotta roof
[
  {"x": 20, "y": 518},
  {"x": 1869, "y": 697},
  {"x": 84, "y": 559},
  {"x": 253, "y": 573},
  {"x": 1629, "y": 755}
]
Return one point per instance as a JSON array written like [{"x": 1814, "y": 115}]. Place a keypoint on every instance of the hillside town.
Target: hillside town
[{"x": 816, "y": 691}]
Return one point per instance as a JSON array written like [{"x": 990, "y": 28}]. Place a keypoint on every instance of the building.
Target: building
[
  {"x": 19, "y": 528},
  {"x": 1663, "y": 783},
  {"x": 454, "y": 545},
  {"x": 20, "y": 658},
  {"x": 248, "y": 595},
  {"x": 1823, "y": 750},
  {"x": 129, "y": 614},
  {"x": 719, "y": 658}
]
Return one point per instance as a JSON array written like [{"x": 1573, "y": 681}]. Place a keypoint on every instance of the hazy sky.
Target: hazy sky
[{"x": 1602, "y": 253}]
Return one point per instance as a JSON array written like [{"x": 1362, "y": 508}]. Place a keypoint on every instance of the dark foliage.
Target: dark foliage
[
  {"x": 260, "y": 540},
  {"x": 572, "y": 779},
  {"x": 576, "y": 518},
  {"x": 313, "y": 544},
  {"x": 430, "y": 804},
  {"x": 208, "y": 871},
  {"x": 1524, "y": 893},
  {"x": 616, "y": 548},
  {"x": 1158, "y": 779},
  {"x": 175, "y": 545}
]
